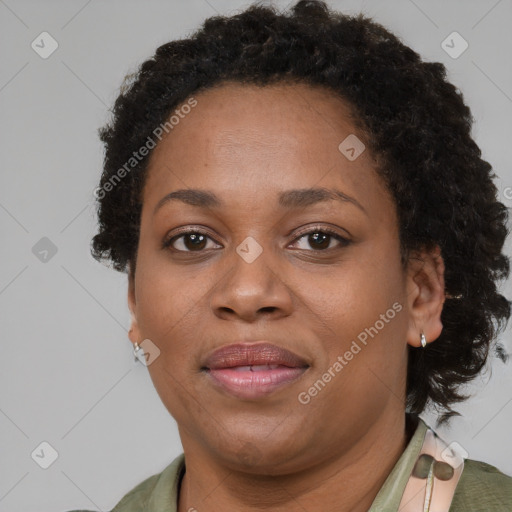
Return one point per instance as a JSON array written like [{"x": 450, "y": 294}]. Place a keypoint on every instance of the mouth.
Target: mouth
[{"x": 253, "y": 370}]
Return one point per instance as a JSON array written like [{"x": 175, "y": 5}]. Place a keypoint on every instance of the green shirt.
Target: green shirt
[{"x": 481, "y": 488}]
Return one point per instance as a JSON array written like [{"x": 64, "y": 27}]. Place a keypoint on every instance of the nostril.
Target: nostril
[{"x": 268, "y": 309}]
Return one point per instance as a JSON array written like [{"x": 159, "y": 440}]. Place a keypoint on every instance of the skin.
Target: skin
[{"x": 248, "y": 144}]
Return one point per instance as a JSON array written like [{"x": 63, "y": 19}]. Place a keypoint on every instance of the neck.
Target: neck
[{"x": 347, "y": 482}]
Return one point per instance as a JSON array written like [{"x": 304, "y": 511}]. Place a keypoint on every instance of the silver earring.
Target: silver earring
[
  {"x": 423, "y": 340},
  {"x": 136, "y": 349}
]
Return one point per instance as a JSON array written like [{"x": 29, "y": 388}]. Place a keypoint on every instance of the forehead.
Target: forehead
[{"x": 247, "y": 138}]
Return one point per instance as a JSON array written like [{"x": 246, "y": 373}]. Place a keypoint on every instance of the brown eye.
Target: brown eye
[
  {"x": 190, "y": 241},
  {"x": 321, "y": 240}
]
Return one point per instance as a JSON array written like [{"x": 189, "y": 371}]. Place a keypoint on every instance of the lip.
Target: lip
[
  {"x": 253, "y": 370},
  {"x": 254, "y": 353}
]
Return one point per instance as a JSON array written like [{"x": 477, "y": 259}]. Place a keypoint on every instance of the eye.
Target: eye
[
  {"x": 320, "y": 238},
  {"x": 191, "y": 240},
  {"x": 194, "y": 240}
]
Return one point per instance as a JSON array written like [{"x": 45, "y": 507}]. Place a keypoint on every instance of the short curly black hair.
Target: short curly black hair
[{"x": 415, "y": 123}]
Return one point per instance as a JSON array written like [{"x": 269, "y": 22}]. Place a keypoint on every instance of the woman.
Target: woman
[{"x": 313, "y": 247}]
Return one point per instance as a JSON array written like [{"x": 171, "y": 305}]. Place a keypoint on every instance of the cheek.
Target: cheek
[
  {"x": 361, "y": 318},
  {"x": 356, "y": 296},
  {"x": 169, "y": 298},
  {"x": 367, "y": 325},
  {"x": 177, "y": 393},
  {"x": 364, "y": 345}
]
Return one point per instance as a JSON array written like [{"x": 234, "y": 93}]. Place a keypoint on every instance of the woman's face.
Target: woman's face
[{"x": 255, "y": 271}]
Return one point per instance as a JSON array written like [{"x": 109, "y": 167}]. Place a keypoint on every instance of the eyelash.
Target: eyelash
[{"x": 315, "y": 229}]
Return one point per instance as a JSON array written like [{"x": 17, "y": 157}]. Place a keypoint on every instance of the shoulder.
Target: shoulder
[
  {"x": 156, "y": 493},
  {"x": 482, "y": 487},
  {"x": 136, "y": 499}
]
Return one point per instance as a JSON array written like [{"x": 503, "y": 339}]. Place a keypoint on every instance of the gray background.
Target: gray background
[{"x": 67, "y": 372}]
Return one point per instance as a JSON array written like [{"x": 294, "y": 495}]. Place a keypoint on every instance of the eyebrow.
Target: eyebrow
[{"x": 296, "y": 198}]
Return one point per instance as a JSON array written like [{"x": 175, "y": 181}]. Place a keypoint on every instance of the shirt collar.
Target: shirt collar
[{"x": 389, "y": 496}]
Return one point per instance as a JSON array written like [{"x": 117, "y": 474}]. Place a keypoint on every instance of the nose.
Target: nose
[{"x": 251, "y": 291}]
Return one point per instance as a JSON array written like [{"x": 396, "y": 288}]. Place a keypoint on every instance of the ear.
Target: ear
[
  {"x": 134, "y": 332},
  {"x": 425, "y": 295}
]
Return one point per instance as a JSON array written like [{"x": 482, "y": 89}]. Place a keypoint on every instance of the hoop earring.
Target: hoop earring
[{"x": 423, "y": 340}]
